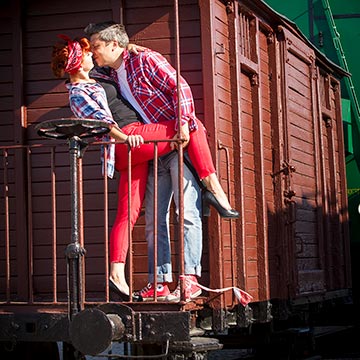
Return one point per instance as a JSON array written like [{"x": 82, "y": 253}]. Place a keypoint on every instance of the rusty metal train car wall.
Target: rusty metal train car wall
[{"x": 271, "y": 105}]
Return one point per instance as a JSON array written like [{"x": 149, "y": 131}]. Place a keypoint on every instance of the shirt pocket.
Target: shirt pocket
[{"x": 143, "y": 88}]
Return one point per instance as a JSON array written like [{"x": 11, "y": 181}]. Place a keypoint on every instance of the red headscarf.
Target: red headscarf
[{"x": 75, "y": 55}]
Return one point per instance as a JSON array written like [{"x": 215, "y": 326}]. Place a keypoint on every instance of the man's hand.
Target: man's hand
[
  {"x": 134, "y": 140},
  {"x": 185, "y": 135},
  {"x": 135, "y": 48}
]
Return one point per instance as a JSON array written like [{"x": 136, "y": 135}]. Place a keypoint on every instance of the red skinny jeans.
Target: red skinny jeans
[{"x": 200, "y": 156}]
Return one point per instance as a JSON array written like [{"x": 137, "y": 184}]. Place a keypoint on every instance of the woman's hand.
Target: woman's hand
[
  {"x": 135, "y": 48},
  {"x": 134, "y": 140}
]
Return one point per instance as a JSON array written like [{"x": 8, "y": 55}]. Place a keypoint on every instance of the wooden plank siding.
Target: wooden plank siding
[
  {"x": 332, "y": 135},
  {"x": 221, "y": 140},
  {"x": 46, "y": 98}
]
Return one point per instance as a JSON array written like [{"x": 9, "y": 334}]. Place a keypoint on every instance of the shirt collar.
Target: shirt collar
[{"x": 125, "y": 54}]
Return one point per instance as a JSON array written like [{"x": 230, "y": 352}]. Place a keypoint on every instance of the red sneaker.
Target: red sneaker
[
  {"x": 192, "y": 291},
  {"x": 147, "y": 293}
]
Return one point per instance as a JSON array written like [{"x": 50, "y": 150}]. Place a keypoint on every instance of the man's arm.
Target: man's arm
[{"x": 163, "y": 76}]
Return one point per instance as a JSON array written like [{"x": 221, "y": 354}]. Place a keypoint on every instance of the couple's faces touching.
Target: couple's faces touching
[
  {"x": 105, "y": 53},
  {"x": 87, "y": 62}
]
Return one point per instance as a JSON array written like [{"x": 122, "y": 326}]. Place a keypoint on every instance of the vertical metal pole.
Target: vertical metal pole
[
  {"x": 155, "y": 218},
  {"x": 80, "y": 213},
  {"x": 74, "y": 148},
  {"x": 106, "y": 225},
  {"x": 74, "y": 186},
  {"x": 180, "y": 156},
  {"x": 30, "y": 228},
  {"x": 130, "y": 251},
  {"x": 74, "y": 251},
  {"x": 7, "y": 225},
  {"x": 54, "y": 226}
]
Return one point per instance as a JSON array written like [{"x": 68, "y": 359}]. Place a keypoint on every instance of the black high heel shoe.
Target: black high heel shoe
[
  {"x": 124, "y": 297},
  {"x": 208, "y": 198},
  {"x": 114, "y": 288}
]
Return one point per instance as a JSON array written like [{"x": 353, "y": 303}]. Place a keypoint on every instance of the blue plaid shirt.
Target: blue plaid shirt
[{"x": 88, "y": 100}]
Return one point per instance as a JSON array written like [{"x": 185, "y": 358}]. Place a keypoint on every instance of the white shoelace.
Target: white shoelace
[{"x": 243, "y": 297}]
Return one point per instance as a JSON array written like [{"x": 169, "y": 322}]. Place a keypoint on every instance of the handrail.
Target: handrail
[
  {"x": 342, "y": 59},
  {"x": 48, "y": 150}
]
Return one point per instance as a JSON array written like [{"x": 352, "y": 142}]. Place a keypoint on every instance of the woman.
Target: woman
[{"x": 88, "y": 100}]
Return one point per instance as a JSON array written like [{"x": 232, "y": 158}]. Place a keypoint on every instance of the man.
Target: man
[
  {"x": 109, "y": 41},
  {"x": 168, "y": 185}
]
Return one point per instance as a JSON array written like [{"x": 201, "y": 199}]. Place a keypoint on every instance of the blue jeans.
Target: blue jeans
[{"x": 167, "y": 187}]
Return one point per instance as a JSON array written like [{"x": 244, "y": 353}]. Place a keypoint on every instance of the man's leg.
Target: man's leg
[
  {"x": 192, "y": 231},
  {"x": 164, "y": 269},
  {"x": 192, "y": 216},
  {"x": 168, "y": 182}
]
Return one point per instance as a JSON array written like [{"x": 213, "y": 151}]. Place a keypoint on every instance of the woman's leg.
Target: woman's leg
[
  {"x": 159, "y": 131},
  {"x": 119, "y": 242},
  {"x": 200, "y": 156},
  {"x": 198, "y": 149},
  {"x": 199, "y": 152}
]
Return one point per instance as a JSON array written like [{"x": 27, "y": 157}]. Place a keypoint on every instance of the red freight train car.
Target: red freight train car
[{"x": 271, "y": 104}]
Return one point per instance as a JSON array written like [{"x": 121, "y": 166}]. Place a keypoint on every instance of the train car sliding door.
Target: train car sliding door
[{"x": 302, "y": 187}]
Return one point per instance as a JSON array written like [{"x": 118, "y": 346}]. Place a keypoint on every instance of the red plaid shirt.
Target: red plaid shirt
[{"x": 152, "y": 81}]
